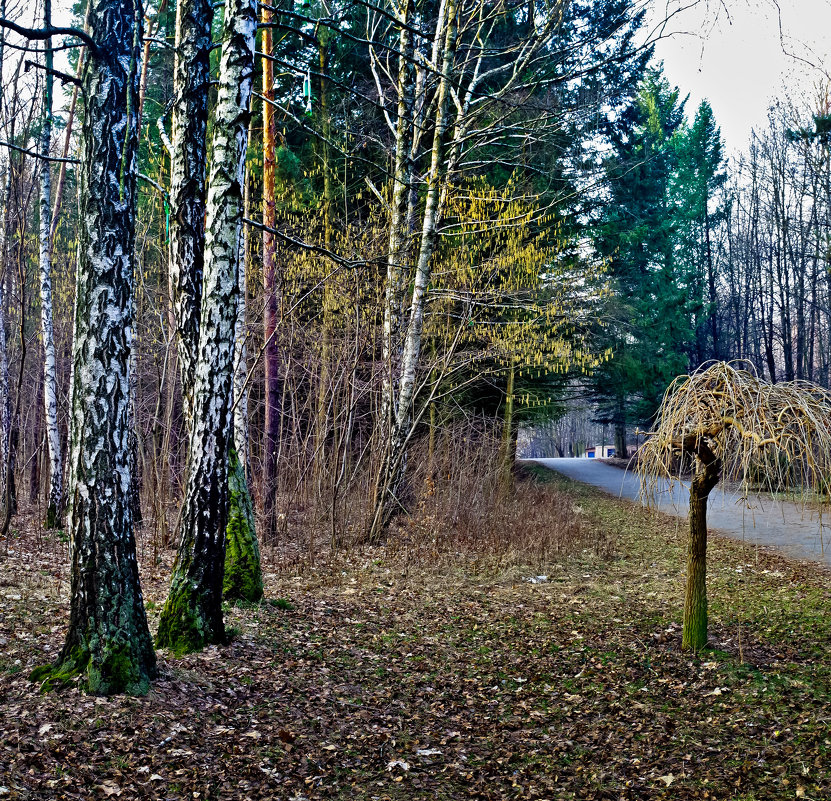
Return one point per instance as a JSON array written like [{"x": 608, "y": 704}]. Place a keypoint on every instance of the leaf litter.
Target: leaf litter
[{"x": 419, "y": 685}]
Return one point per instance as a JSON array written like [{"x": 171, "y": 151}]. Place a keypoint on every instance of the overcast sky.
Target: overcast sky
[{"x": 731, "y": 52}]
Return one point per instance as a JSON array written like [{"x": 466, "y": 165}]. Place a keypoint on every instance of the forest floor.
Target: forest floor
[{"x": 372, "y": 678}]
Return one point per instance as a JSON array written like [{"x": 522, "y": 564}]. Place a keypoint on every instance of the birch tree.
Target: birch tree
[
  {"x": 188, "y": 158},
  {"x": 192, "y": 614},
  {"x": 50, "y": 372},
  {"x": 399, "y": 388},
  {"x": 454, "y": 83},
  {"x": 108, "y": 641}
]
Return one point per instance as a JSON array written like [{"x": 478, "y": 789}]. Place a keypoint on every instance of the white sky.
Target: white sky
[{"x": 731, "y": 53}]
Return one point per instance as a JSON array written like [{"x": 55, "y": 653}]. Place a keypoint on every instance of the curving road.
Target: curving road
[{"x": 795, "y": 532}]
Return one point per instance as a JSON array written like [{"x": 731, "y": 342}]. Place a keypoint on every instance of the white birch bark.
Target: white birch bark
[
  {"x": 393, "y": 463},
  {"x": 192, "y": 615},
  {"x": 240, "y": 349},
  {"x": 398, "y": 253},
  {"x": 50, "y": 370},
  {"x": 108, "y": 640},
  {"x": 188, "y": 158}
]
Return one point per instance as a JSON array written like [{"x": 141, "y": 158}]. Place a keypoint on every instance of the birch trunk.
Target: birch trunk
[
  {"x": 54, "y": 506},
  {"x": 191, "y": 76},
  {"x": 240, "y": 334},
  {"x": 398, "y": 251},
  {"x": 192, "y": 615},
  {"x": 243, "y": 580},
  {"x": 108, "y": 641},
  {"x": 393, "y": 466}
]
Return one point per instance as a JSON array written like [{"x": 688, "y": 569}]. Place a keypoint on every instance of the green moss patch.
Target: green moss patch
[
  {"x": 182, "y": 628},
  {"x": 243, "y": 575}
]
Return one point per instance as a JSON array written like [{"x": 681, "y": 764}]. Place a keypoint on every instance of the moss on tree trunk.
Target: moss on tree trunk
[
  {"x": 694, "y": 636},
  {"x": 108, "y": 642},
  {"x": 192, "y": 615},
  {"x": 243, "y": 577}
]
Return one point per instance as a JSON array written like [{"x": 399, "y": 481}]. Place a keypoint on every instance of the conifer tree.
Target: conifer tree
[{"x": 647, "y": 319}]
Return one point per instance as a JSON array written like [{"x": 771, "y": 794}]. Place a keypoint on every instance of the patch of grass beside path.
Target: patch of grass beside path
[{"x": 379, "y": 683}]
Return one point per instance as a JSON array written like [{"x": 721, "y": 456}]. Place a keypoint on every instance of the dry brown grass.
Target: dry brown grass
[{"x": 467, "y": 511}]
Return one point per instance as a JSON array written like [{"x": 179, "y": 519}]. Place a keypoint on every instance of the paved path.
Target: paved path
[{"x": 782, "y": 525}]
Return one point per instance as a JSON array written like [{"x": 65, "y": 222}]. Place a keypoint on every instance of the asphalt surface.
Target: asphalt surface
[{"x": 785, "y": 526}]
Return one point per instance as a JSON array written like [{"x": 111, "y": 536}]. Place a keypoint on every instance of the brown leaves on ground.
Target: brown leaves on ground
[{"x": 376, "y": 686}]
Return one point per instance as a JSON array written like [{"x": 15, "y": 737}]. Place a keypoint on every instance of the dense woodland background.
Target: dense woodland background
[{"x": 460, "y": 218}]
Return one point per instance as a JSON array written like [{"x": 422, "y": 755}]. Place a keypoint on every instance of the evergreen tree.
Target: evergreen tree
[
  {"x": 696, "y": 188},
  {"x": 646, "y": 319}
]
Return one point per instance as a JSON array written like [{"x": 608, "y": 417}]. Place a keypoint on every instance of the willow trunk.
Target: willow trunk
[{"x": 694, "y": 635}]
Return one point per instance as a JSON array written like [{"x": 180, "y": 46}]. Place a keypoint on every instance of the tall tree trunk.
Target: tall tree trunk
[
  {"x": 243, "y": 579},
  {"x": 192, "y": 615},
  {"x": 54, "y": 507},
  {"x": 5, "y": 222},
  {"x": 37, "y": 442},
  {"x": 712, "y": 311},
  {"x": 508, "y": 430},
  {"x": 191, "y": 82},
  {"x": 398, "y": 250},
  {"x": 392, "y": 467},
  {"x": 324, "y": 389},
  {"x": 271, "y": 288},
  {"x": 241, "y": 333},
  {"x": 10, "y": 487},
  {"x": 108, "y": 640}
]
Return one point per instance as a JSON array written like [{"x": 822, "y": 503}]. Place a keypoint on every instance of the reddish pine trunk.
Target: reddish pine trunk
[{"x": 271, "y": 436}]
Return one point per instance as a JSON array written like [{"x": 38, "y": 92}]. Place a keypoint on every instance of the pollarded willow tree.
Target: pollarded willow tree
[
  {"x": 108, "y": 641},
  {"x": 736, "y": 427}
]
